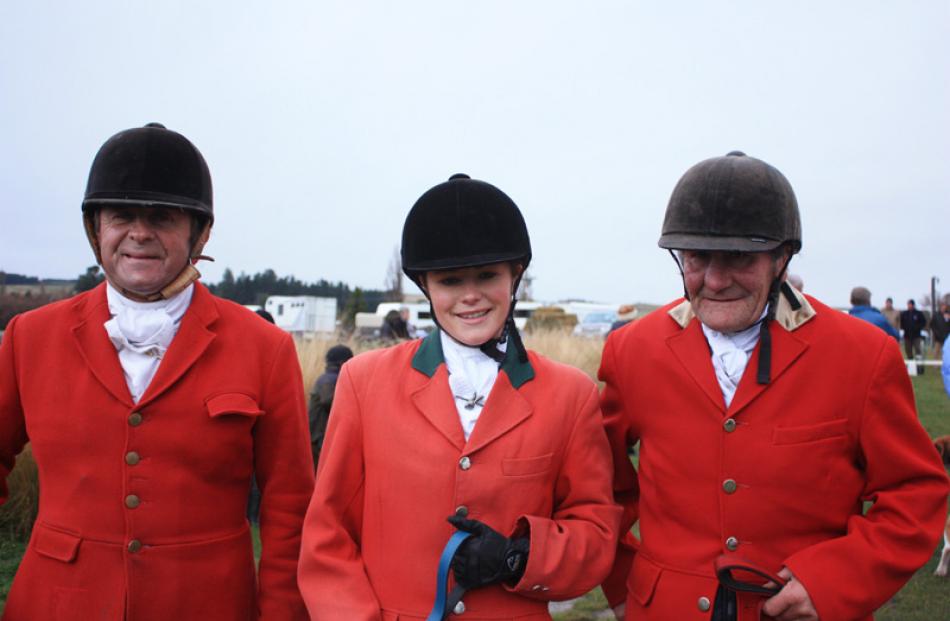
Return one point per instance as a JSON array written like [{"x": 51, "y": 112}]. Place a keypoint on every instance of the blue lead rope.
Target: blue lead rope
[{"x": 445, "y": 562}]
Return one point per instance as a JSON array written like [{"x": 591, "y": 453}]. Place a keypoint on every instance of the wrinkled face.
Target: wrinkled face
[
  {"x": 728, "y": 290},
  {"x": 143, "y": 248},
  {"x": 472, "y": 303}
]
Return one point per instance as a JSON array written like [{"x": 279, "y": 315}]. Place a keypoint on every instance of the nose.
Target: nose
[
  {"x": 471, "y": 293},
  {"x": 140, "y": 230},
  {"x": 718, "y": 275}
]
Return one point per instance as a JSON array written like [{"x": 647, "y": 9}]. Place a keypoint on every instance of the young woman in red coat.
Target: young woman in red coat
[{"x": 464, "y": 430}]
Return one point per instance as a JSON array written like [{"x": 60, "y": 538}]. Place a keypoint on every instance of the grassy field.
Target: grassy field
[{"x": 925, "y": 597}]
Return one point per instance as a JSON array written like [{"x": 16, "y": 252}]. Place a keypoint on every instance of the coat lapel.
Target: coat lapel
[
  {"x": 434, "y": 401},
  {"x": 504, "y": 410},
  {"x": 690, "y": 348},
  {"x": 786, "y": 349},
  {"x": 92, "y": 311},
  {"x": 189, "y": 344}
]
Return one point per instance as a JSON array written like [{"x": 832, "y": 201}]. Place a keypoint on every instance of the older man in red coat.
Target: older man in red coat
[
  {"x": 766, "y": 422},
  {"x": 149, "y": 403}
]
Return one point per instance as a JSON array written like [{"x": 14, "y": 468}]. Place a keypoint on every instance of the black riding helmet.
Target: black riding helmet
[
  {"x": 151, "y": 166},
  {"x": 463, "y": 223},
  {"x": 736, "y": 203}
]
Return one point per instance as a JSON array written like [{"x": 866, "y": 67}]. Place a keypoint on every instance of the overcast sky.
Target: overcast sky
[{"x": 322, "y": 123}]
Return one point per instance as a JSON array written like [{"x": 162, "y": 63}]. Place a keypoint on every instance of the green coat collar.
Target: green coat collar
[{"x": 429, "y": 356}]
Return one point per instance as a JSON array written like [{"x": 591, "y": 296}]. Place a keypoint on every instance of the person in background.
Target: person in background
[
  {"x": 149, "y": 403},
  {"x": 892, "y": 315},
  {"x": 765, "y": 420},
  {"x": 940, "y": 327},
  {"x": 862, "y": 309},
  {"x": 321, "y": 397},
  {"x": 394, "y": 327},
  {"x": 625, "y": 314},
  {"x": 912, "y": 323},
  {"x": 461, "y": 432}
]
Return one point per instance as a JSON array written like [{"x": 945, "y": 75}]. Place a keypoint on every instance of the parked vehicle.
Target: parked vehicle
[{"x": 301, "y": 314}]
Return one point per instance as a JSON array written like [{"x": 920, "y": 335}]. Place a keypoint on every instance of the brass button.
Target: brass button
[
  {"x": 732, "y": 543},
  {"x": 131, "y": 501},
  {"x": 134, "y": 546},
  {"x": 729, "y": 425},
  {"x": 132, "y": 458},
  {"x": 465, "y": 463},
  {"x": 135, "y": 419},
  {"x": 703, "y": 604},
  {"x": 729, "y": 486},
  {"x": 459, "y": 608},
  {"x": 461, "y": 511}
]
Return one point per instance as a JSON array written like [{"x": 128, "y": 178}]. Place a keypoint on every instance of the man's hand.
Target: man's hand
[
  {"x": 792, "y": 603},
  {"x": 620, "y": 611}
]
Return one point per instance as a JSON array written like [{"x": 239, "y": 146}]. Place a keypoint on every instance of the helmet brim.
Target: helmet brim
[{"x": 685, "y": 241}]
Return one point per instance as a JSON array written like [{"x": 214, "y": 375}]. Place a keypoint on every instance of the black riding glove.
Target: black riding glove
[{"x": 487, "y": 557}]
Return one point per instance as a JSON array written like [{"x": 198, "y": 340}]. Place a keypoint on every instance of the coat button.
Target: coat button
[
  {"x": 132, "y": 458},
  {"x": 729, "y": 486},
  {"x": 459, "y": 608},
  {"x": 134, "y": 546},
  {"x": 703, "y": 604},
  {"x": 131, "y": 501},
  {"x": 465, "y": 463},
  {"x": 729, "y": 425},
  {"x": 135, "y": 419},
  {"x": 461, "y": 511},
  {"x": 732, "y": 544}
]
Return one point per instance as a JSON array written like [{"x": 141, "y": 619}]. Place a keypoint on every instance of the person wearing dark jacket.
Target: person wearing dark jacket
[
  {"x": 912, "y": 322},
  {"x": 321, "y": 397}
]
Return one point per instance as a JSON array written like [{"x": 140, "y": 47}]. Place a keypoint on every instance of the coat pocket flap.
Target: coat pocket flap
[
  {"x": 56, "y": 544},
  {"x": 643, "y": 580},
  {"x": 233, "y": 403},
  {"x": 810, "y": 433},
  {"x": 526, "y": 466}
]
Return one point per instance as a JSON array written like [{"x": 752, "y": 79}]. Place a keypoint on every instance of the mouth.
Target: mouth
[
  {"x": 473, "y": 315},
  {"x": 137, "y": 256}
]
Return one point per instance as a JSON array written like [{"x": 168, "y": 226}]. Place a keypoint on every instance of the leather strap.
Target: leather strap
[
  {"x": 726, "y": 564},
  {"x": 440, "y": 608}
]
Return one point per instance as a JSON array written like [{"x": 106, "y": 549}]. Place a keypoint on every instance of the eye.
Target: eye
[
  {"x": 448, "y": 281},
  {"x": 160, "y": 217},
  {"x": 487, "y": 274}
]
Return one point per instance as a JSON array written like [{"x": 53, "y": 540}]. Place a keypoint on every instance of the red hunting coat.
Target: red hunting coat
[
  {"x": 396, "y": 464},
  {"x": 142, "y": 506},
  {"x": 781, "y": 476}
]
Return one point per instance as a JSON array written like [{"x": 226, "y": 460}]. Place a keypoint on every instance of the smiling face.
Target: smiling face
[
  {"x": 471, "y": 304},
  {"x": 728, "y": 290},
  {"x": 143, "y": 248}
]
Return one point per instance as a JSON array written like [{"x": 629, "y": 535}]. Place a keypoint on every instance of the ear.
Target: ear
[{"x": 200, "y": 244}]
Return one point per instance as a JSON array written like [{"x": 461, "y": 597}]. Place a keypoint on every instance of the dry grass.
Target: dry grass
[
  {"x": 19, "y": 512},
  {"x": 583, "y": 353}
]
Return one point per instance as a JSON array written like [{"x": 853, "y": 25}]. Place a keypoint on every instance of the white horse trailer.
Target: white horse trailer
[{"x": 302, "y": 313}]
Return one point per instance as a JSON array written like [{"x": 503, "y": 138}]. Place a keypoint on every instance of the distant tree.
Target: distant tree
[
  {"x": 393, "y": 284},
  {"x": 353, "y": 305},
  {"x": 256, "y": 288},
  {"x": 90, "y": 279}
]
